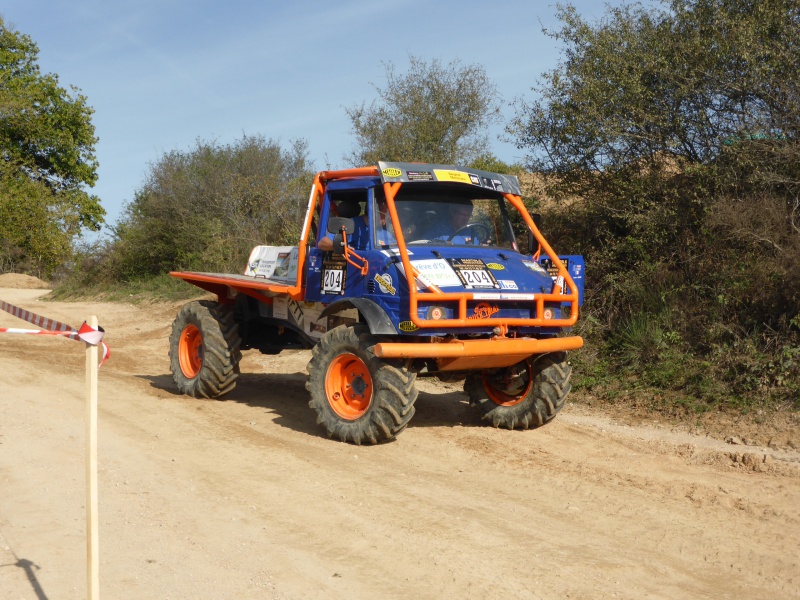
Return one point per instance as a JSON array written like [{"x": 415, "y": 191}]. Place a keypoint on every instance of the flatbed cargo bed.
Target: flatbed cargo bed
[{"x": 220, "y": 283}]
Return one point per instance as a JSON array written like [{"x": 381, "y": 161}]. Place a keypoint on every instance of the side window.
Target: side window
[
  {"x": 312, "y": 233},
  {"x": 382, "y": 227},
  {"x": 351, "y": 205}
]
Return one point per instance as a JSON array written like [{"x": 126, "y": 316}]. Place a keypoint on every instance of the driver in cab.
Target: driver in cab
[
  {"x": 361, "y": 234},
  {"x": 456, "y": 219}
]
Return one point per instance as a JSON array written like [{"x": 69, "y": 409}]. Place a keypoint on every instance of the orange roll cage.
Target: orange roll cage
[{"x": 431, "y": 293}]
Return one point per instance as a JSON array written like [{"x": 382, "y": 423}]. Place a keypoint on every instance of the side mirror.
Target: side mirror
[
  {"x": 335, "y": 225},
  {"x": 338, "y": 244}
]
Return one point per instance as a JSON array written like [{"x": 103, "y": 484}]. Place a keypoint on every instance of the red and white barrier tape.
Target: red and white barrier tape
[{"x": 85, "y": 333}]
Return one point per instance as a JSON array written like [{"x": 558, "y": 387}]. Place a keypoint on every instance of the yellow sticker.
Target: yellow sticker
[
  {"x": 407, "y": 326},
  {"x": 495, "y": 266},
  {"x": 445, "y": 175},
  {"x": 385, "y": 283},
  {"x": 392, "y": 172}
]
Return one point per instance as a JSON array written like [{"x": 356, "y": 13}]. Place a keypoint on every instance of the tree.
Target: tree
[
  {"x": 675, "y": 84},
  {"x": 46, "y": 162},
  {"x": 678, "y": 129},
  {"x": 206, "y": 208},
  {"x": 434, "y": 113}
]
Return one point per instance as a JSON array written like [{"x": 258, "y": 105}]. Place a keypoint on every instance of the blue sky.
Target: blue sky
[{"x": 161, "y": 74}]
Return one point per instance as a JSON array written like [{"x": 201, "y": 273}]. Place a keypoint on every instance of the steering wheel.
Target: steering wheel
[{"x": 477, "y": 228}]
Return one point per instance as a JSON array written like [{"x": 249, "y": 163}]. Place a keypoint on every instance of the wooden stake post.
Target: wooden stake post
[
  {"x": 51, "y": 327},
  {"x": 92, "y": 531}
]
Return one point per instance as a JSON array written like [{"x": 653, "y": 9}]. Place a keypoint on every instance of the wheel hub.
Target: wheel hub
[
  {"x": 348, "y": 386},
  {"x": 190, "y": 351},
  {"x": 509, "y": 386},
  {"x": 359, "y": 386}
]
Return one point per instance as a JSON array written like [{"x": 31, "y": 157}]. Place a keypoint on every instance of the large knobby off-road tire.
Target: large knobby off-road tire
[
  {"x": 523, "y": 396},
  {"x": 204, "y": 349},
  {"x": 358, "y": 397}
]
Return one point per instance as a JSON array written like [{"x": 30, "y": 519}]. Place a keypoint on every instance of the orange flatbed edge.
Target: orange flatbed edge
[{"x": 220, "y": 283}]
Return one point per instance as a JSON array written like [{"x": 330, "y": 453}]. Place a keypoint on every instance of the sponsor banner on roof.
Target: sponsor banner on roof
[{"x": 392, "y": 172}]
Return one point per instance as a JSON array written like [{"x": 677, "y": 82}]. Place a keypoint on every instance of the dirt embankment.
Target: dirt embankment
[
  {"x": 21, "y": 282},
  {"x": 247, "y": 498}
]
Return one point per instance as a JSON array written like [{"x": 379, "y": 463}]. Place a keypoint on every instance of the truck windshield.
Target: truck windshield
[{"x": 455, "y": 221}]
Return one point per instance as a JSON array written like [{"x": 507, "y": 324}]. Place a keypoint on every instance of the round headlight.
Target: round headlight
[{"x": 436, "y": 312}]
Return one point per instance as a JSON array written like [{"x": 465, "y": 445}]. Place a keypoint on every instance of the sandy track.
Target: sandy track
[{"x": 247, "y": 498}]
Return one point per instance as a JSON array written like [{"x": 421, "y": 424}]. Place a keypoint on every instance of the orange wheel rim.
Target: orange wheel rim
[
  {"x": 190, "y": 351},
  {"x": 348, "y": 385},
  {"x": 500, "y": 398}
]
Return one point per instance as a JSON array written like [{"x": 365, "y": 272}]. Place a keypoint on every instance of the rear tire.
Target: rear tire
[
  {"x": 358, "y": 397},
  {"x": 523, "y": 396},
  {"x": 204, "y": 349}
]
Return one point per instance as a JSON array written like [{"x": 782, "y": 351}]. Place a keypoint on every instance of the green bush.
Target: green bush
[{"x": 675, "y": 170}]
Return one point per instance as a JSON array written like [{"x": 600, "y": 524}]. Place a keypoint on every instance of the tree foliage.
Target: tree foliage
[
  {"x": 656, "y": 84},
  {"x": 433, "y": 113},
  {"x": 46, "y": 162},
  {"x": 677, "y": 129},
  {"x": 206, "y": 208}
]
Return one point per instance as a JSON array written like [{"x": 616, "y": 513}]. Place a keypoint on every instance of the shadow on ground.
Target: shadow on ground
[
  {"x": 285, "y": 395},
  {"x": 30, "y": 569}
]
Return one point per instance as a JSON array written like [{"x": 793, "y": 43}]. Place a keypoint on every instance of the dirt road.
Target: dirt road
[{"x": 247, "y": 498}]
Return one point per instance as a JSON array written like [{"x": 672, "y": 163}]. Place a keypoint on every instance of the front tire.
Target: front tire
[
  {"x": 523, "y": 396},
  {"x": 205, "y": 349},
  {"x": 358, "y": 397}
]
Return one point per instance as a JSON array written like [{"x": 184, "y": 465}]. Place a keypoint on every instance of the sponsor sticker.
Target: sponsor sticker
[
  {"x": 407, "y": 326},
  {"x": 419, "y": 175},
  {"x": 448, "y": 175},
  {"x": 484, "y": 310},
  {"x": 385, "y": 284},
  {"x": 534, "y": 266},
  {"x": 552, "y": 269},
  {"x": 392, "y": 172},
  {"x": 495, "y": 266},
  {"x": 507, "y": 284},
  {"x": 473, "y": 273},
  {"x": 503, "y": 296},
  {"x": 296, "y": 313},
  {"x": 436, "y": 271},
  {"x": 280, "y": 308}
]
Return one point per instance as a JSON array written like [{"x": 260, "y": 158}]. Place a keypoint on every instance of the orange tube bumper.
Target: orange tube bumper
[{"x": 456, "y": 355}]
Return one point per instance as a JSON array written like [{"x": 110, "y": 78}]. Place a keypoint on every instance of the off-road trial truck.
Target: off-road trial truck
[{"x": 402, "y": 270}]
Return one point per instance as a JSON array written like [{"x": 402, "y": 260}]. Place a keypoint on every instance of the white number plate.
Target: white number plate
[
  {"x": 477, "y": 278},
  {"x": 333, "y": 280}
]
